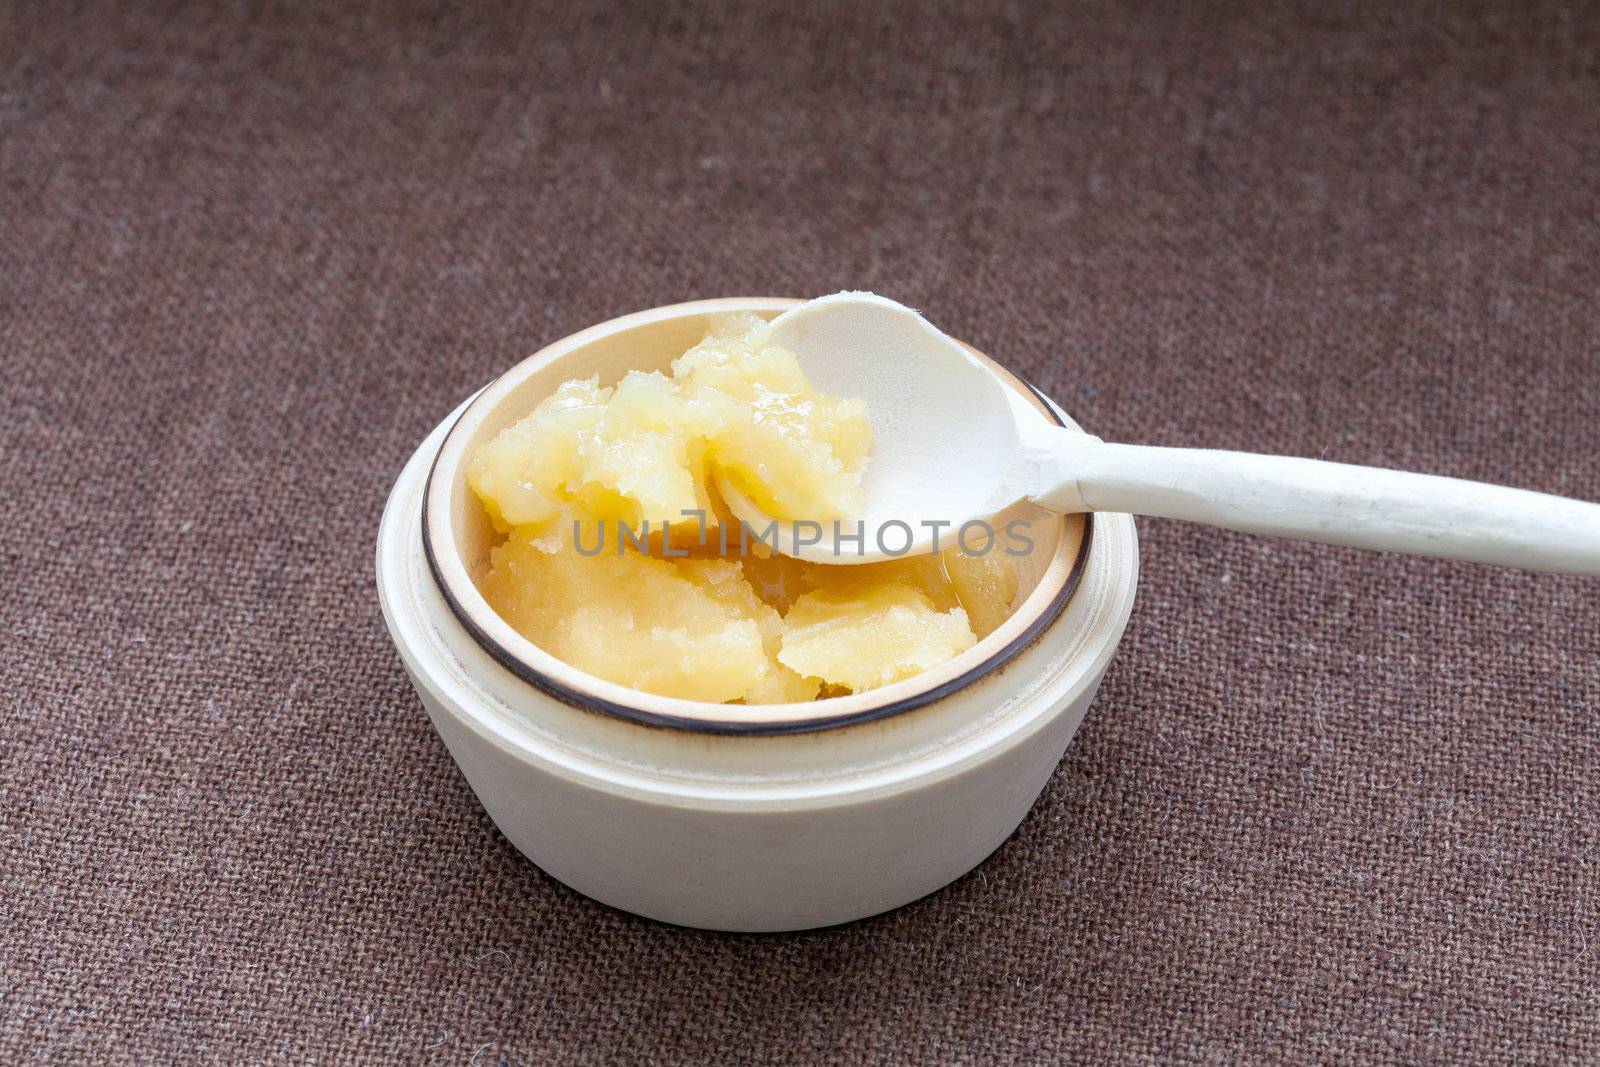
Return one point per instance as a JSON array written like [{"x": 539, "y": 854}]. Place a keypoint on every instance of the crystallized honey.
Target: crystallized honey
[{"x": 585, "y": 486}]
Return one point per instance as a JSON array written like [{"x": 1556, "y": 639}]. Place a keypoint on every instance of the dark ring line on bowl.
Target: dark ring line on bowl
[{"x": 589, "y": 702}]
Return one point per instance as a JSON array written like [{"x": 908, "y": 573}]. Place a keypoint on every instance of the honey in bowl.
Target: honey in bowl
[{"x": 620, "y": 558}]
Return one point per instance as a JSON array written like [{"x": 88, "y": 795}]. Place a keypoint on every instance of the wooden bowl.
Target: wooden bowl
[{"x": 776, "y": 817}]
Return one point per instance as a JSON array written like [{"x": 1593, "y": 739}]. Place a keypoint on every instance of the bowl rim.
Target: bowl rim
[{"x": 694, "y": 715}]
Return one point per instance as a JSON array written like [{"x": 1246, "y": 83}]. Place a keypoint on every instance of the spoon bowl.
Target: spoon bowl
[{"x": 945, "y": 430}]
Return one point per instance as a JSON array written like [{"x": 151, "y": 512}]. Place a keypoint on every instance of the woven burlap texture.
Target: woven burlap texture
[{"x": 1328, "y": 804}]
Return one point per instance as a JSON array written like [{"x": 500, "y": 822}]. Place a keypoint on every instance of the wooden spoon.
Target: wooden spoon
[{"x": 952, "y": 445}]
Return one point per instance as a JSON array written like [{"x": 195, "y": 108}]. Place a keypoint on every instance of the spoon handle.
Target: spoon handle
[{"x": 1334, "y": 503}]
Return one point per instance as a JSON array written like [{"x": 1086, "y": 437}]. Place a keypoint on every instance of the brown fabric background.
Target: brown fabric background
[{"x": 1328, "y": 804}]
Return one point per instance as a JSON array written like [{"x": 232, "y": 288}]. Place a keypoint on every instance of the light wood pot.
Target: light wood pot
[{"x": 774, "y": 817}]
